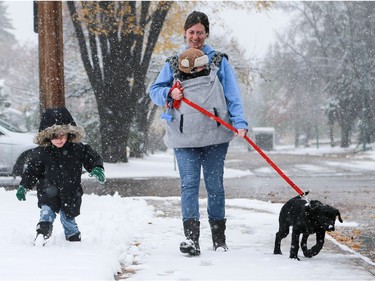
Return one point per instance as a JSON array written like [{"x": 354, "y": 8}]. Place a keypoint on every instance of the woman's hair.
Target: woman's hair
[{"x": 197, "y": 17}]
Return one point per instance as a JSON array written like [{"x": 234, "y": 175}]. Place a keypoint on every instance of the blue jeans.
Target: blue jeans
[
  {"x": 69, "y": 225},
  {"x": 190, "y": 161}
]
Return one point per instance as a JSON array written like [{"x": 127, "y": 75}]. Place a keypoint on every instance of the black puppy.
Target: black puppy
[{"x": 306, "y": 217}]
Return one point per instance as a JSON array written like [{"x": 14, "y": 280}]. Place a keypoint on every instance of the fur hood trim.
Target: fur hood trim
[{"x": 44, "y": 137}]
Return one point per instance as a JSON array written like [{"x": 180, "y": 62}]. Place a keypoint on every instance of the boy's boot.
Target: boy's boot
[
  {"x": 191, "y": 244},
  {"x": 43, "y": 232},
  {"x": 75, "y": 238},
  {"x": 218, "y": 234}
]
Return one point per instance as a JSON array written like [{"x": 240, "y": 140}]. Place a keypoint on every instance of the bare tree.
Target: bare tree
[
  {"x": 7, "y": 39},
  {"x": 116, "y": 40},
  {"x": 328, "y": 51}
]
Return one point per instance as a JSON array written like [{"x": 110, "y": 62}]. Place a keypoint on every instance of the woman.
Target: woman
[{"x": 200, "y": 150}]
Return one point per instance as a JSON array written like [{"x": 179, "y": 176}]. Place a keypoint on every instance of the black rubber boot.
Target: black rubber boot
[
  {"x": 44, "y": 228},
  {"x": 218, "y": 234},
  {"x": 43, "y": 232},
  {"x": 191, "y": 244},
  {"x": 75, "y": 238}
]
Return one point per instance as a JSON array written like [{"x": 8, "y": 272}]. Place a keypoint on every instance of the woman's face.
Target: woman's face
[{"x": 195, "y": 36}]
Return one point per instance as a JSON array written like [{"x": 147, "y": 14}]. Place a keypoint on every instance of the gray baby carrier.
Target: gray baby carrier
[{"x": 189, "y": 127}]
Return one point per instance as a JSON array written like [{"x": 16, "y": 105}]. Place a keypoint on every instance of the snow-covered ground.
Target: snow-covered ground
[{"x": 142, "y": 235}]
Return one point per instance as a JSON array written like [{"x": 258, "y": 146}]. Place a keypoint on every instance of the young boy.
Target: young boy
[{"x": 55, "y": 167}]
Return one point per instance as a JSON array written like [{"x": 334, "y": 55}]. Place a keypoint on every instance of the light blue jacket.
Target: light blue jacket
[{"x": 160, "y": 89}]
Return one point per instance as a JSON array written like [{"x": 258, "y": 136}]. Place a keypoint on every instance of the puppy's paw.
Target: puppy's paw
[
  {"x": 308, "y": 253},
  {"x": 294, "y": 258}
]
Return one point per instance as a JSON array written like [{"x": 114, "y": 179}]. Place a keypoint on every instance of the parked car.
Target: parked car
[{"x": 15, "y": 146}]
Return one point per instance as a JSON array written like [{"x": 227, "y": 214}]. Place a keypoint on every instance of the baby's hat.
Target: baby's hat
[{"x": 190, "y": 59}]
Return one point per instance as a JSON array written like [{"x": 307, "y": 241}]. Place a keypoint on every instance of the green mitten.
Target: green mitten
[
  {"x": 98, "y": 173},
  {"x": 21, "y": 193}
]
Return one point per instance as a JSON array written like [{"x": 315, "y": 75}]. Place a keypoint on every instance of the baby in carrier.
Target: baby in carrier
[
  {"x": 192, "y": 63},
  {"x": 198, "y": 80}
]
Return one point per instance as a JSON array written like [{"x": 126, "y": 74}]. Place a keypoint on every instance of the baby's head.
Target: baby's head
[{"x": 192, "y": 61}]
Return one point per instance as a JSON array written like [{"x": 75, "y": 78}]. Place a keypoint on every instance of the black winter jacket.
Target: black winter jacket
[{"x": 57, "y": 174}]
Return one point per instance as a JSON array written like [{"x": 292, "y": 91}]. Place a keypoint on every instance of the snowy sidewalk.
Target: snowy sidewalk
[
  {"x": 142, "y": 235},
  {"x": 251, "y": 228}
]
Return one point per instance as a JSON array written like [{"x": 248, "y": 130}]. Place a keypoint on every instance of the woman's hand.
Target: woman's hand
[
  {"x": 176, "y": 94},
  {"x": 241, "y": 133}
]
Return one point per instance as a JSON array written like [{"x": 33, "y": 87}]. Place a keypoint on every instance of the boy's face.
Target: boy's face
[{"x": 59, "y": 140}]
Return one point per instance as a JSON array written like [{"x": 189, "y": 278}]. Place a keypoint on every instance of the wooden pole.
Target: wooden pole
[{"x": 51, "y": 59}]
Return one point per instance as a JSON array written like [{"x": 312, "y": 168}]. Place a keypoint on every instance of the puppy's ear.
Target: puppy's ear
[
  {"x": 306, "y": 209},
  {"x": 339, "y": 216},
  {"x": 314, "y": 205}
]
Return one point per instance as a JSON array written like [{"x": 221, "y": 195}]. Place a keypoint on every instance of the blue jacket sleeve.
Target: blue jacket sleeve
[
  {"x": 232, "y": 94},
  {"x": 160, "y": 88}
]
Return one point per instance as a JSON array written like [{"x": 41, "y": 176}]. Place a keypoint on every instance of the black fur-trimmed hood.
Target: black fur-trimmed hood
[{"x": 58, "y": 121}]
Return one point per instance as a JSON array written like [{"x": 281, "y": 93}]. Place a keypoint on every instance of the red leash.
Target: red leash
[{"x": 230, "y": 127}]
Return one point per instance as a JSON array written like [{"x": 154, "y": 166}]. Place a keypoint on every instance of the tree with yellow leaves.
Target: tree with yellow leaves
[{"x": 116, "y": 40}]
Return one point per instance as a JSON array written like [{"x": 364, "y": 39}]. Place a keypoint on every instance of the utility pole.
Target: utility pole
[{"x": 48, "y": 25}]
